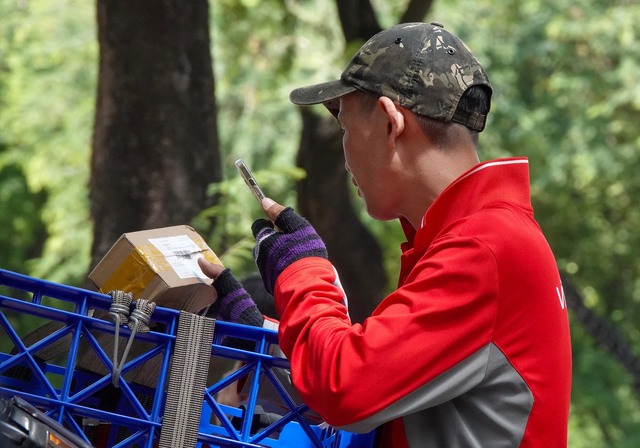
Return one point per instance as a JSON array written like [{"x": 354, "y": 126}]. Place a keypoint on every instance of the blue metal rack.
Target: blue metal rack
[{"x": 82, "y": 398}]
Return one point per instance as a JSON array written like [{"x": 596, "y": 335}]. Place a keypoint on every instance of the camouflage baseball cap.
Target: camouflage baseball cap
[{"x": 420, "y": 66}]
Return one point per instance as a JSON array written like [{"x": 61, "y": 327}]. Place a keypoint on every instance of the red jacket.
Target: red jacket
[{"x": 472, "y": 349}]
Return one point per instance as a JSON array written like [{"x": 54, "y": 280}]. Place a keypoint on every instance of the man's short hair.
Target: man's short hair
[
  {"x": 446, "y": 134},
  {"x": 442, "y": 133}
]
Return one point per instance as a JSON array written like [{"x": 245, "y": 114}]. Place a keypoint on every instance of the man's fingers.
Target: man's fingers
[
  {"x": 211, "y": 270},
  {"x": 271, "y": 208}
]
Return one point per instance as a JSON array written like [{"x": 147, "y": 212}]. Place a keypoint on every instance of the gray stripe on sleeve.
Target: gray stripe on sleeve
[{"x": 481, "y": 401}]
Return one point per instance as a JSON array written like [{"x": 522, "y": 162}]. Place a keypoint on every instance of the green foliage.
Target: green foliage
[
  {"x": 566, "y": 95},
  {"x": 22, "y": 231},
  {"x": 256, "y": 61},
  {"x": 604, "y": 408},
  {"x": 48, "y": 79}
]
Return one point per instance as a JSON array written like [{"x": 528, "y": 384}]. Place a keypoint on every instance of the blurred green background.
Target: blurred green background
[{"x": 566, "y": 94}]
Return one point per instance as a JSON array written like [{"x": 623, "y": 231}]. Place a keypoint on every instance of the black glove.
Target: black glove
[
  {"x": 233, "y": 303},
  {"x": 276, "y": 250}
]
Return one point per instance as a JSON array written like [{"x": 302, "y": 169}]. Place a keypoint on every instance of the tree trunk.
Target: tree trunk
[
  {"x": 323, "y": 196},
  {"x": 155, "y": 144}
]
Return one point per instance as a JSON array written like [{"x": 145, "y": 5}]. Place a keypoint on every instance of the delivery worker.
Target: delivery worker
[{"x": 472, "y": 349}]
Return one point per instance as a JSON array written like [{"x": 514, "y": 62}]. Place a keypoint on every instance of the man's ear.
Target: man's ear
[{"x": 395, "y": 118}]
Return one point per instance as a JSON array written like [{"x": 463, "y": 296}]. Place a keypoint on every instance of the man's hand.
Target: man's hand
[
  {"x": 233, "y": 304},
  {"x": 271, "y": 208},
  {"x": 211, "y": 270},
  {"x": 276, "y": 249}
]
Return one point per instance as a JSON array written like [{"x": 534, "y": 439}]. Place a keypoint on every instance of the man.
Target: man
[{"x": 472, "y": 349}]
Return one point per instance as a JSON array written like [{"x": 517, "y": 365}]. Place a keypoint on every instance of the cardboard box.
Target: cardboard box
[{"x": 159, "y": 265}]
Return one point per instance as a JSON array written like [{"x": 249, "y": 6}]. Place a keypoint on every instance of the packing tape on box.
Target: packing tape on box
[{"x": 136, "y": 271}]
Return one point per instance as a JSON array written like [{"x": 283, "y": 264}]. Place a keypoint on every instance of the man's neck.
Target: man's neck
[{"x": 431, "y": 175}]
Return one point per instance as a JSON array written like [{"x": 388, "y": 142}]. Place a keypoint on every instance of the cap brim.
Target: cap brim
[{"x": 326, "y": 93}]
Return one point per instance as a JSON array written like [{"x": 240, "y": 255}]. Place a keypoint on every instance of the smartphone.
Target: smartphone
[{"x": 246, "y": 174}]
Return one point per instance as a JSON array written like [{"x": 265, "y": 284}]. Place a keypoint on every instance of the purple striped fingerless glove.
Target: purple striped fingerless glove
[
  {"x": 233, "y": 304},
  {"x": 276, "y": 249}
]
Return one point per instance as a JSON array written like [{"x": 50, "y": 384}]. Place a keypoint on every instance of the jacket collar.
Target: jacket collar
[{"x": 500, "y": 180}]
